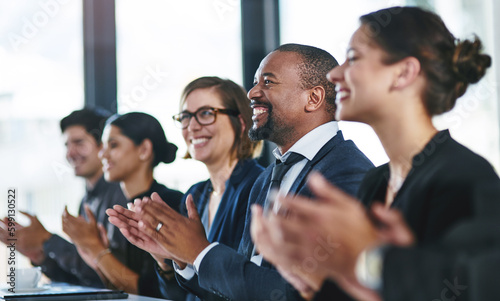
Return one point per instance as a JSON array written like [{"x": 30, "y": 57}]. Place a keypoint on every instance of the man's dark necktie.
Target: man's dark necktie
[{"x": 279, "y": 171}]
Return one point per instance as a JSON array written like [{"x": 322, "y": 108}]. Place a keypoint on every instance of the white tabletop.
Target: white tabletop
[{"x": 49, "y": 291}]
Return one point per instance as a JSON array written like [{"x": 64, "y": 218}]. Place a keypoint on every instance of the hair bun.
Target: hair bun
[
  {"x": 469, "y": 64},
  {"x": 169, "y": 153}
]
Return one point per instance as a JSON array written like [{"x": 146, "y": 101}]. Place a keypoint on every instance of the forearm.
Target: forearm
[
  {"x": 168, "y": 285},
  {"x": 231, "y": 275},
  {"x": 63, "y": 263},
  {"x": 160, "y": 261},
  {"x": 118, "y": 274},
  {"x": 52, "y": 270},
  {"x": 192, "y": 286}
]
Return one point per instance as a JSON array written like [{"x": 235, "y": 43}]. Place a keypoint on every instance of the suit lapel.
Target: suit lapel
[
  {"x": 298, "y": 186},
  {"x": 261, "y": 199},
  {"x": 246, "y": 245},
  {"x": 224, "y": 210},
  {"x": 299, "y": 183}
]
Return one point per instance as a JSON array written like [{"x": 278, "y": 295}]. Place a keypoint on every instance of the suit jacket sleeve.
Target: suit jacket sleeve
[
  {"x": 63, "y": 263},
  {"x": 463, "y": 266},
  {"x": 231, "y": 275},
  {"x": 237, "y": 278},
  {"x": 427, "y": 275}
]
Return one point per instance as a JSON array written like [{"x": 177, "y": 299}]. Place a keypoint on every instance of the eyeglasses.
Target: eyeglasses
[{"x": 204, "y": 116}]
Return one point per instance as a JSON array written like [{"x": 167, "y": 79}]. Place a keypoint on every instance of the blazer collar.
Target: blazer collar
[{"x": 338, "y": 138}]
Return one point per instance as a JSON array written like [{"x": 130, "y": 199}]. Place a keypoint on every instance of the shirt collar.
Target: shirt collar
[
  {"x": 310, "y": 144},
  {"x": 147, "y": 193},
  {"x": 97, "y": 187}
]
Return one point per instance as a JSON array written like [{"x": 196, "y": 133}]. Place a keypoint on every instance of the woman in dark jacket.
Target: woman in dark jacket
[{"x": 134, "y": 144}]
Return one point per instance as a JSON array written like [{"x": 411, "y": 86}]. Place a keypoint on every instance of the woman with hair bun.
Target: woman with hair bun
[
  {"x": 403, "y": 66},
  {"x": 396, "y": 78},
  {"x": 133, "y": 145}
]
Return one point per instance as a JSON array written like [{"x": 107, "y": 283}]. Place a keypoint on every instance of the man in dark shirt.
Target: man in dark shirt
[{"x": 59, "y": 258}]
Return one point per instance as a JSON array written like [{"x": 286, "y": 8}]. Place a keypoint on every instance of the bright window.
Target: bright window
[
  {"x": 41, "y": 82},
  {"x": 474, "y": 121},
  {"x": 331, "y": 30},
  {"x": 161, "y": 47}
]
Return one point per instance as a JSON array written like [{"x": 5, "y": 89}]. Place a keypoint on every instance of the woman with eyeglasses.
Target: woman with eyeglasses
[{"x": 215, "y": 118}]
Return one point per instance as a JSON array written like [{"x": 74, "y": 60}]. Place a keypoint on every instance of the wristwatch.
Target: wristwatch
[
  {"x": 165, "y": 274},
  {"x": 369, "y": 267}
]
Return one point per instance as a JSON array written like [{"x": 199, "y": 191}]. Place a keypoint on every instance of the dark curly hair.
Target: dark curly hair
[
  {"x": 316, "y": 63},
  {"x": 92, "y": 119}
]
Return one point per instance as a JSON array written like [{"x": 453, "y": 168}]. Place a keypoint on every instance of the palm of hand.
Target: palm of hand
[{"x": 83, "y": 233}]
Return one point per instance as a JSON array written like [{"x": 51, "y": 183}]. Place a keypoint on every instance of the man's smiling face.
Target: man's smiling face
[{"x": 277, "y": 98}]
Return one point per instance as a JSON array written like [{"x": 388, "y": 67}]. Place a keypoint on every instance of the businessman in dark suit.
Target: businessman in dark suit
[{"x": 293, "y": 106}]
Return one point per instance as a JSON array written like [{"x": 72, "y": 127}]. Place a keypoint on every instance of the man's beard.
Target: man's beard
[
  {"x": 263, "y": 132},
  {"x": 272, "y": 130}
]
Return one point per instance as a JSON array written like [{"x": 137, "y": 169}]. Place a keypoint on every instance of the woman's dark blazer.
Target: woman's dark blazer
[
  {"x": 439, "y": 189},
  {"x": 229, "y": 222}
]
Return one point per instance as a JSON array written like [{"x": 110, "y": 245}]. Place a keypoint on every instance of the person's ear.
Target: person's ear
[
  {"x": 100, "y": 146},
  {"x": 145, "y": 150},
  {"x": 315, "y": 98},
  {"x": 243, "y": 126},
  {"x": 407, "y": 72}
]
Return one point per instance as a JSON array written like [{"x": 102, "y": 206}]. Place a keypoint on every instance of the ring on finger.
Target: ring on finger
[{"x": 158, "y": 227}]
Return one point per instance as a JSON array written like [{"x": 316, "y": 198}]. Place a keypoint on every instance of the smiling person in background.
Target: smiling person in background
[
  {"x": 134, "y": 144},
  {"x": 215, "y": 118},
  {"x": 59, "y": 259}
]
